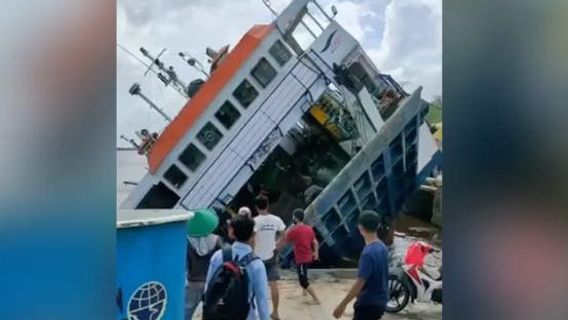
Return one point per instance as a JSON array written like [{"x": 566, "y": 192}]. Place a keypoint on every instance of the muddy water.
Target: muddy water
[{"x": 409, "y": 230}]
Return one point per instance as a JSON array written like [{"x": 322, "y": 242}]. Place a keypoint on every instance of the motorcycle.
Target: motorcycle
[{"x": 411, "y": 282}]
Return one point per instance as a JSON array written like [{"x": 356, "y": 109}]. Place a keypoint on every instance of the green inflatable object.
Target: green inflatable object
[{"x": 202, "y": 224}]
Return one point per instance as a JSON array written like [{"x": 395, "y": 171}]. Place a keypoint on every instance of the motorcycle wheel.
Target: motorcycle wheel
[{"x": 399, "y": 294}]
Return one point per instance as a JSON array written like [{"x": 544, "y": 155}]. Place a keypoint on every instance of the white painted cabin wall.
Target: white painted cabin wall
[
  {"x": 203, "y": 186},
  {"x": 426, "y": 146}
]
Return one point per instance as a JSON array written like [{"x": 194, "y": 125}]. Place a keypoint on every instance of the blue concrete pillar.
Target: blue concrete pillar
[{"x": 151, "y": 261}]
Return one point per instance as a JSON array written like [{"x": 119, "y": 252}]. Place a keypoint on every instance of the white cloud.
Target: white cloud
[
  {"x": 411, "y": 47},
  {"x": 350, "y": 17}
]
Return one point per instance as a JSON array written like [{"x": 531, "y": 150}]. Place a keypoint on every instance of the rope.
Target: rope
[{"x": 135, "y": 57}]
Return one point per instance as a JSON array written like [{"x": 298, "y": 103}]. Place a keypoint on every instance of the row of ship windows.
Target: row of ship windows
[{"x": 209, "y": 136}]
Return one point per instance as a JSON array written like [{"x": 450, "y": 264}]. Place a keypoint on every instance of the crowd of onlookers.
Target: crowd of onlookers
[{"x": 234, "y": 277}]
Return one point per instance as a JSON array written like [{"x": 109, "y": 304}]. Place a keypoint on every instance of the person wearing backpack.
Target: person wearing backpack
[
  {"x": 201, "y": 244},
  {"x": 236, "y": 287}
]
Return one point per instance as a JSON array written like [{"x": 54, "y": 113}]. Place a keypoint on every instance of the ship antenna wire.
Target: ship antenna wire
[{"x": 135, "y": 57}]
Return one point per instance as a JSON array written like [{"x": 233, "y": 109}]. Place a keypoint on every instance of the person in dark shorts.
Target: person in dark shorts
[
  {"x": 370, "y": 288},
  {"x": 268, "y": 228},
  {"x": 306, "y": 247}
]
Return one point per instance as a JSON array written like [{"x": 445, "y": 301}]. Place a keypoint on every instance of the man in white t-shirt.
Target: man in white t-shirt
[{"x": 268, "y": 228}]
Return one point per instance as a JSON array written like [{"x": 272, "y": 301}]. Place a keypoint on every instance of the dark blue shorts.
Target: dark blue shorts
[
  {"x": 272, "y": 272},
  {"x": 368, "y": 312}
]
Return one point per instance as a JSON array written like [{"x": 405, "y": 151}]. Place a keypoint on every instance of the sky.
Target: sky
[{"x": 402, "y": 37}]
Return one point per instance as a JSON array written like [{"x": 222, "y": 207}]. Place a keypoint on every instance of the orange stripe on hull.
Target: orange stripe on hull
[{"x": 185, "y": 119}]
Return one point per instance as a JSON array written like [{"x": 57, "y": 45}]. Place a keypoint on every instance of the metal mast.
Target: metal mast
[
  {"x": 135, "y": 90},
  {"x": 167, "y": 75},
  {"x": 192, "y": 61}
]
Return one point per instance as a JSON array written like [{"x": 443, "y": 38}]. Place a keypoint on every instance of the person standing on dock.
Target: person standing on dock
[
  {"x": 245, "y": 211},
  {"x": 268, "y": 228},
  {"x": 202, "y": 243},
  {"x": 371, "y": 286},
  {"x": 306, "y": 248},
  {"x": 220, "y": 290}
]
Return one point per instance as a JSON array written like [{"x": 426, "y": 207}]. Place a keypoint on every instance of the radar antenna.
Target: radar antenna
[
  {"x": 192, "y": 61},
  {"x": 136, "y": 90},
  {"x": 167, "y": 75}
]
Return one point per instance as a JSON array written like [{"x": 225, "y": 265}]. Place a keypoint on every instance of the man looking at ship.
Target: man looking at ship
[
  {"x": 245, "y": 211},
  {"x": 370, "y": 288},
  {"x": 241, "y": 230},
  {"x": 267, "y": 228},
  {"x": 306, "y": 248}
]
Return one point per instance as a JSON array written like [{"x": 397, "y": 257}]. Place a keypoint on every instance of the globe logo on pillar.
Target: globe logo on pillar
[{"x": 148, "y": 302}]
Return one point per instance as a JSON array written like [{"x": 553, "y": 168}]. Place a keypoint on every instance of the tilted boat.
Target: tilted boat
[{"x": 296, "y": 110}]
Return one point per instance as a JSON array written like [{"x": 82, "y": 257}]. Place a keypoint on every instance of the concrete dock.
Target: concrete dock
[{"x": 331, "y": 286}]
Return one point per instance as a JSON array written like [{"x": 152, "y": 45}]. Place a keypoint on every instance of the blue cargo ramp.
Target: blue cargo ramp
[{"x": 380, "y": 177}]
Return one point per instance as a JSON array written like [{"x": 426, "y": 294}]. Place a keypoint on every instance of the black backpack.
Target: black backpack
[{"x": 227, "y": 295}]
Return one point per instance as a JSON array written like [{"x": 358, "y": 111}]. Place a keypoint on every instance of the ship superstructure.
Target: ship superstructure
[{"x": 302, "y": 114}]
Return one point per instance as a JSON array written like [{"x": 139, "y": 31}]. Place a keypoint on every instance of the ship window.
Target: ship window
[
  {"x": 191, "y": 157},
  {"x": 159, "y": 197},
  {"x": 209, "y": 136},
  {"x": 175, "y": 176},
  {"x": 245, "y": 93},
  {"x": 227, "y": 114},
  {"x": 263, "y": 72},
  {"x": 280, "y": 53}
]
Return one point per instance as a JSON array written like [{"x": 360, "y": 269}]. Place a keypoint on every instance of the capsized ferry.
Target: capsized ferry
[{"x": 296, "y": 110}]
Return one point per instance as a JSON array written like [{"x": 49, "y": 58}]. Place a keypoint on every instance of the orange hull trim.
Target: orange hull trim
[{"x": 189, "y": 114}]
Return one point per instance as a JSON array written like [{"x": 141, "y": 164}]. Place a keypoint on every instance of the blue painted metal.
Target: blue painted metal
[
  {"x": 150, "y": 273},
  {"x": 380, "y": 177}
]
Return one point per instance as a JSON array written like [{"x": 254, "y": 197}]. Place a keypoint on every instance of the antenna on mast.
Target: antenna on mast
[
  {"x": 131, "y": 141},
  {"x": 155, "y": 61},
  {"x": 135, "y": 90},
  {"x": 333, "y": 11},
  {"x": 192, "y": 61},
  {"x": 268, "y": 5},
  {"x": 169, "y": 76},
  {"x": 136, "y": 58}
]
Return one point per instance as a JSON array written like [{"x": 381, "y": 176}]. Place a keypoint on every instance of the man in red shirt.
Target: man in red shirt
[{"x": 306, "y": 246}]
